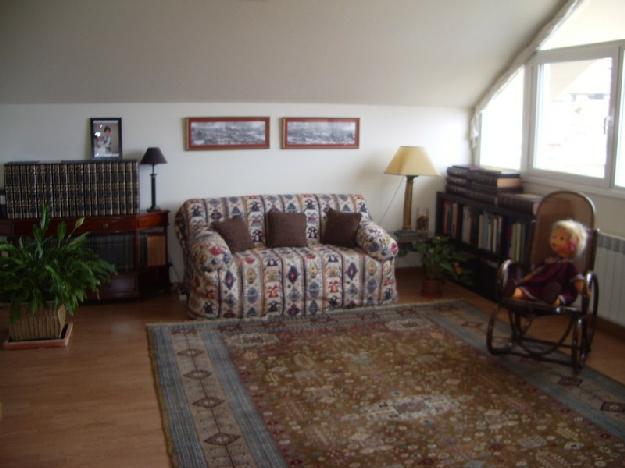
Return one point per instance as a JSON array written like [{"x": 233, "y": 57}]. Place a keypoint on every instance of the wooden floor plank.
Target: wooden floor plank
[{"x": 93, "y": 403}]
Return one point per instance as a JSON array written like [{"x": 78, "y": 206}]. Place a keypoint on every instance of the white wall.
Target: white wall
[{"x": 60, "y": 131}]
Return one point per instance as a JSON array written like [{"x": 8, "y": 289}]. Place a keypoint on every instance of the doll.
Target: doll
[{"x": 556, "y": 281}]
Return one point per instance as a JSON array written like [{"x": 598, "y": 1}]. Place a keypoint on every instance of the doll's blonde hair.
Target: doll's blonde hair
[{"x": 576, "y": 230}]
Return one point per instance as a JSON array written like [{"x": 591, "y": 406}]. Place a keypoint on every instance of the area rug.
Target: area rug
[{"x": 405, "y": 385}]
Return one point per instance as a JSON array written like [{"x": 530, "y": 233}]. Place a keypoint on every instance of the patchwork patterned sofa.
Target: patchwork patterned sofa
[{"x": 261, "y": 282}]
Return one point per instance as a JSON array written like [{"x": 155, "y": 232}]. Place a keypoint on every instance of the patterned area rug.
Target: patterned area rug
[{"x": 405, "y": 385}]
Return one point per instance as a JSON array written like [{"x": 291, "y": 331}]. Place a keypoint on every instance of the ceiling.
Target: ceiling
[{"x": 392, "y": 52}]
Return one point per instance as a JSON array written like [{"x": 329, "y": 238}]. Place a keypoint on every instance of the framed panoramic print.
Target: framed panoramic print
[
  {"x": 319, "y": 132},
  {"x": 106, "y": 137},
  {"x": 218, "y": 133}
]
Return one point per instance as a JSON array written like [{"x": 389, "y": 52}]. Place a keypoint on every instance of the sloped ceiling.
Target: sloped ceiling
[{"x": 397, "y": 52}]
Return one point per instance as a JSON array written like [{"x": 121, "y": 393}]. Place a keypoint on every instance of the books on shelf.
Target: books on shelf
[{"x": 71, "y": 188}]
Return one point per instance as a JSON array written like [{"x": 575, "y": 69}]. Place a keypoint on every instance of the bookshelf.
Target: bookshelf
[
  {"x": 135, "y": 243},
  {"x": 489, "y": 233}
]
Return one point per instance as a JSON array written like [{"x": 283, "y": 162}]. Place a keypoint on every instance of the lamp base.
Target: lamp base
[{"x": 153, "y": 208}]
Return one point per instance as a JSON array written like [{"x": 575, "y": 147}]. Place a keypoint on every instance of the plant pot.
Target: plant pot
[
  {"x": 44, "y": 324},
  {"x": 432, "y": 287}
]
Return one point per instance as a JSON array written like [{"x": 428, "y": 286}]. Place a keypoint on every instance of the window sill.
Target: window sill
[{"x": 552, "y": 183}]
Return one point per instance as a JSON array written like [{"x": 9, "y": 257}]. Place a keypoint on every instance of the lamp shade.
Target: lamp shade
[
  {"x": 153, "y": 156},
  {"x": 411, "y": 161}
]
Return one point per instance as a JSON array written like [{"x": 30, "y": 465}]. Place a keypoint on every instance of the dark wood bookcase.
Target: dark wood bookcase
[
  {"x": 135, "y": 243},
  {"x": 489, "y": 233}
]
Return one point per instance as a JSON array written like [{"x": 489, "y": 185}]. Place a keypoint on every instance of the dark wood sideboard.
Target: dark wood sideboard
[{"x": 135, "y": 243}]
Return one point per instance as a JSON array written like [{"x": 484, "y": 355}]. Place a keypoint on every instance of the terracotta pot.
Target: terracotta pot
[
  {"x": 432, "y": 287},
  {"x": 44, "y": 324}
]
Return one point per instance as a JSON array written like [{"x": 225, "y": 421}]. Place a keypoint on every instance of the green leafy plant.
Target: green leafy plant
[
  {"x": 442, "y": 260},
  {"x": 51, "y": 270}
]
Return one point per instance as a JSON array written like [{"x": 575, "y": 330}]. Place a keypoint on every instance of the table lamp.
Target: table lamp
[
  {"x": 153, "y": 156},
  {"x": 410, "y": 161}
]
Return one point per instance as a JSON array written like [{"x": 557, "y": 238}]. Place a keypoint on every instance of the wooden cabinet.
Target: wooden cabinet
[
  {"x": 488, "y": 232},
  {"x": 136, "y": 244}
]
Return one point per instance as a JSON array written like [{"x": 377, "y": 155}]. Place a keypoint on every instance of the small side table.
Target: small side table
[{"x": 408, "y": 237}]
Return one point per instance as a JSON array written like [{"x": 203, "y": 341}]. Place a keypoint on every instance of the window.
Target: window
[{"x": 501, "y": 126}]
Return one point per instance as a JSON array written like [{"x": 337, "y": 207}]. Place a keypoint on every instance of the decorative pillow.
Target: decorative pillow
[
  {"x": 235, "y": 233},
  {"x": 286, "y": 229},
  {"x": 341, "y": 228}
]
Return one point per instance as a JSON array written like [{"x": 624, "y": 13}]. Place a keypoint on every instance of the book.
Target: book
[
  {"x": 498, "y": 178},
  {"x": 457, "y": 189},
  {"x": 462, "y": 181},
  {"x": 483, "y": 197},
  {"x": 524, "y": 202},
  {"x": 460, "y": 170},
  {"x": 495, "y": 189}
]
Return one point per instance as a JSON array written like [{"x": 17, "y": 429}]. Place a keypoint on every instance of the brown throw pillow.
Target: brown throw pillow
[
  {"x": 286, "y": 229},
  {"x": 235, "y": 233},
  {"x": 341, "y": 228}
]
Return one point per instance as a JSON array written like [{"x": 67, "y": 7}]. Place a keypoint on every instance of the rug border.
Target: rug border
[{"x": 165, "y": 422}]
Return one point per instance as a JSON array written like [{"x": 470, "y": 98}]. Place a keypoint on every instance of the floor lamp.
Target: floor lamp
[{"x": 410, "y": 161}]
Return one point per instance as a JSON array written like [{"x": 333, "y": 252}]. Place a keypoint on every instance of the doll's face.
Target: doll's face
[{"x": 562, "y": 243}]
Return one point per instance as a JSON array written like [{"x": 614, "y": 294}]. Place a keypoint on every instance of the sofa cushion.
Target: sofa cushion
[
  {"x": 286, "y": 229},
  {"x": 236, "y": 233},
  {"x": 341, "y": 228}
]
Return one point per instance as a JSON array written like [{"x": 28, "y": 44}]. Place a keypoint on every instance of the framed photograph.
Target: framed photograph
[
  {"x": 106, "y": 137},
  {"x": 219, "y": 133},
  {"x": 318, "y": 132}
]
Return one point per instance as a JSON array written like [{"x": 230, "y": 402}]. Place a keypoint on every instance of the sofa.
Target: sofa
[{"x": 262, "y": 282}]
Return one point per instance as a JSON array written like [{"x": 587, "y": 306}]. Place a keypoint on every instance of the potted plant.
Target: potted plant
[
  {"x": 45, "y": 277},
  {"x": 441, "y": 260}
]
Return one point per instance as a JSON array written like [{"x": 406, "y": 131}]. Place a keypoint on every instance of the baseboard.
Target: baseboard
[{"x": 611, "y": 328}]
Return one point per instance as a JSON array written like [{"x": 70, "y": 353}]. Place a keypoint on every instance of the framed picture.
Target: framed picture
[
  {"x": 316, "y": 132},
  {"x": 218, "y": 133},
  {"x": 106, "y": 138}
]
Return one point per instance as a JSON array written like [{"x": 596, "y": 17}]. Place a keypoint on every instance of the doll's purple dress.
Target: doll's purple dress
[{"x": 557, "y": 272}]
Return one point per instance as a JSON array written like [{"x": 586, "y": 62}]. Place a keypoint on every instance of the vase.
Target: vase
[{"x": 46, "y": 323}]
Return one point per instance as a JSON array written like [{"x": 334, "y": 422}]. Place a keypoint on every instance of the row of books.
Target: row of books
[
  {"x": 118, "y": 249},
  {"x": 71, "y": 188},
  {"x": 484, "y": 230},
  {"x": 518, "y": 238},
  {"x": 481, "y": 229}
]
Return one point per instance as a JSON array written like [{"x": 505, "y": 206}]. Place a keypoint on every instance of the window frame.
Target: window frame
[{"x": 563, "y": 55}]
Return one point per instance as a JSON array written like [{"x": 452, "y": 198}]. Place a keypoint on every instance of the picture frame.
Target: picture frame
[
  {"x": 106, "y": 137},
  {"x": 224, "y": 133},
  {"x": 320, "y": 132}
]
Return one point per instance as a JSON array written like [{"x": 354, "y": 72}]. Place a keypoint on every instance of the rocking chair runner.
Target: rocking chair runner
[{"x": 524, "y": 316}]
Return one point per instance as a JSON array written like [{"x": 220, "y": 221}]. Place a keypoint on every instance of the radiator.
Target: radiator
[{"x": 610, "y": 270}]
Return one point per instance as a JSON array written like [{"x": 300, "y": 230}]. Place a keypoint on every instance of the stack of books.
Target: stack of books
[
  {"x": 482, "y": 183},
  {"x": 458, "y": 178},
  {"x": 71, "y": 188}
]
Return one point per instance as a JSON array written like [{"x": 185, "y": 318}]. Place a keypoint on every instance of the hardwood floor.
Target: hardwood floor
[{"x": 93, "y": 403}]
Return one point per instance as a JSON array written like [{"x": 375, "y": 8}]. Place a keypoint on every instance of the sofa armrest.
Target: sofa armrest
[
  {"x": 209, "y": 250},
  {"x": 375, "y": 241}
]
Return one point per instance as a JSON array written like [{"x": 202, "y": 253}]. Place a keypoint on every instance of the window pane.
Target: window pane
[
  {"x": 620, "y": 157},
  {"x": 501, "y": 130},
  {"x": 574, "y": 100}
]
